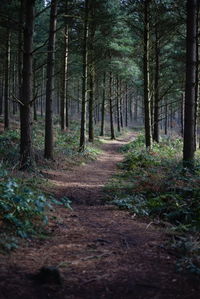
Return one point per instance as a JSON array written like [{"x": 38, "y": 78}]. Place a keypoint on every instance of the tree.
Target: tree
[
  {"x": 84, "y": 79},
  {"x": 48, "y": 151},
  {"x": 190, "y": 91},
  {"x": 147, "y": 107},
  {"x": 6, "y": 88},
  {"x": 64, "y": 101},
  {"x": 26, "y": 151}
]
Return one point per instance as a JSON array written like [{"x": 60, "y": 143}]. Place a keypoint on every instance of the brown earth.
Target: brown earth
[{"x": 100, "y": 251}]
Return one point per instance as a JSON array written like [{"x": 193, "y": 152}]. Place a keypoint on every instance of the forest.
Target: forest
[{"x": 99, "y": 149}]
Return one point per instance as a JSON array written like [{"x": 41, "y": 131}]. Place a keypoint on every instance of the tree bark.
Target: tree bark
[
  {"x": 126, "y": 106},
  {"x": 84, "y": 81},
  {"x": 147, "y": 106},
  {"x": 118, "y": 107},
  {"x": 103, "y": 105},
  {"x": 63, "y": 98},
  {"x": 166, "y": 118},
  {"x": 156, "y": 87},
  {"x": 91, "y": 70},
  {"x": 26, "y": 150},
  {"x": 20, "y": 44},
  {"x": 48, "y": 152},
  {"x": 197, "y": 79},
  {"x": 112, "y": 130},
  {"x": 6, "y": 88},
  {"x": 189, "y": 126}
]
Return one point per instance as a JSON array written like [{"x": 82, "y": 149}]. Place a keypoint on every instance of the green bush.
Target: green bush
[
  {"x": 23, "y": 211},
  {"x": 9, "y": 146}
]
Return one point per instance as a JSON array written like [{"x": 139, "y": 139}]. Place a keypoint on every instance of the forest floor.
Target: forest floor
[{"x": 100, "y": 251}]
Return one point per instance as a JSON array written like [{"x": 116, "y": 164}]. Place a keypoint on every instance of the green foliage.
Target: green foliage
[
  {"x": 136, "y": 203},
  {"x": 9, "y": 146},
  {"x": 23, "y": 211}
]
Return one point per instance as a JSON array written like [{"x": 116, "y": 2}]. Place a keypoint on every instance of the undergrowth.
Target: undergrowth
[
  {"x": 154, "y": 184},
  {"x": 23, "y": 210},
  {"x": 66, "y": 146},
  {"x": 23, "y": 206}
]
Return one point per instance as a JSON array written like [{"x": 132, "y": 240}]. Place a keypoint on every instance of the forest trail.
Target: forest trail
[
  {"x": 84, "y": 184},
  {"x": 101, "y": 252}
]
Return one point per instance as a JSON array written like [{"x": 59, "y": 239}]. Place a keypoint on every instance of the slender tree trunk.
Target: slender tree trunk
[
  {"x": 34, "y": 92},
  {"x": 171, "y": 117},
  {"x": 118, "y": 107},
  {"x": 67, "y": 106},
  {"x": 130, "y": 109},
  {"x": 84, "y": 81},
  {"x": 156, "y": 87},
  {"x": 112, "y": 130},
  {"x": 126, "y": 111},
  {"x": 1, "y": 92},
  {"x": 26, "y": 150},
  {"x": 189, "y": 127},
  {"x": 147, "y": 107},
  {"x": 135, "y": 117},
  {"x": 182, "y": 114},
  {"x": 197, "y": 79},
  {"x": 78, "y": 97},
  {"x": 63, "y": 98},
  {"x": 91, "y": 70},
  {"x": 48, "y": 152},
  {"x": 20, "y": 44},
  {"x": 42, "y": 90},
  {"x": 121, "y": 105},
  {"x": 6, "y": 88},
  {"x": 103, "y": 105},
  {"x": 166, "y": 118}
]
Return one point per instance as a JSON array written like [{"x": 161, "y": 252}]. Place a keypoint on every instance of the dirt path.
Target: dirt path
[
  {"x": 84, "y": 185},
  {"x": 101, "y": 252}
]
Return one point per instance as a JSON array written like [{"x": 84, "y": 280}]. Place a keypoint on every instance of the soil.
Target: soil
[{"x": 98, "y": 250}]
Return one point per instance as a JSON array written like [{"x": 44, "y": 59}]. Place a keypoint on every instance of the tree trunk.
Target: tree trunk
[
  {"x": 6, "y": 88},
  {"x": 135, "y": 115},
  {"x": 147, "y": 106},
  {"x": 34, "y": 92},
  {"x": 118, "y": 107},
  {"x": 91, "y": 106},
  {"x": 156, "y": 87},
  {"x": 84, "y": 81},
  {"x": 1, "y": 92},
  {"x": 78, "y": 97},
  {"x": 103, "y": 105},
  {"x": 48, "y": 152},
  {"x": 121, "y": 105},
  {"x": 126, "y": 107},
  {"x": 112, "y": 131},
  {"x": 26, "y": 150},
  {"x": 91, "y": 70},
  {"x": 166, "y": 118},
  {"x": 197, "y": 79},
  {"x": 20, "y": 43},
  {"x": 182, "y": 114},
  {"x": 189, "y": 127},
  {"x": 130, "y": 109},
  {"x": 63, "y": 98}
]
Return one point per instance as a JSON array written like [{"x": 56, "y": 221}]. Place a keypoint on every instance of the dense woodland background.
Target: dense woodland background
[
  {"x": 121, "y": 62},
  {"x": 72, "y": 71}
]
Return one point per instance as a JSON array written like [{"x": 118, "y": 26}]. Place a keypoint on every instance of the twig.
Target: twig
[{"x": 16, "y": 100}]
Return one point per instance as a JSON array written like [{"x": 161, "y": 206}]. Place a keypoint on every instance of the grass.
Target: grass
[{"x": 154, "y": 184}]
